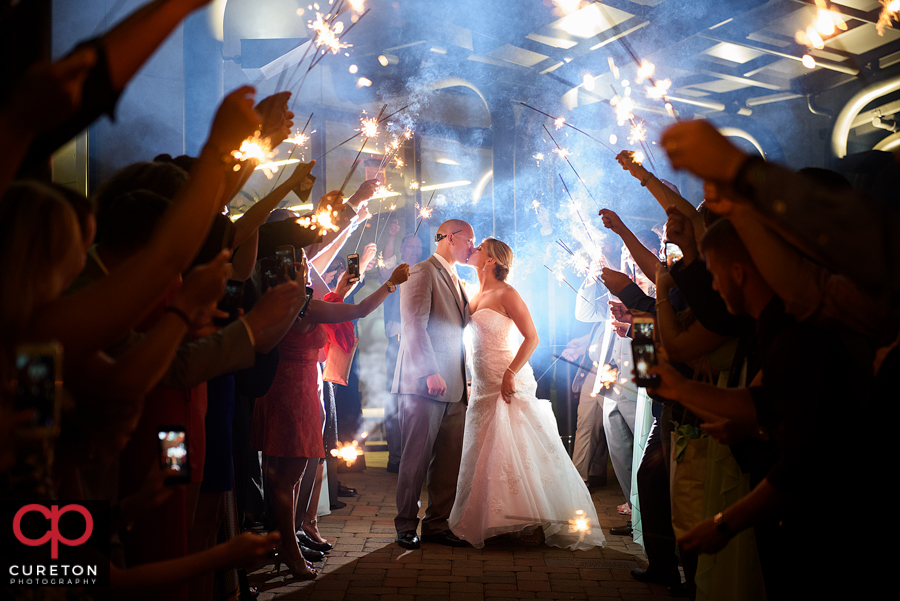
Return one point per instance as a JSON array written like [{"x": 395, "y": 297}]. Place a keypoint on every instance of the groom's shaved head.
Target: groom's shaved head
[
  {"x": 452, "y": 226},
  {"x": 455, "y": 240}
]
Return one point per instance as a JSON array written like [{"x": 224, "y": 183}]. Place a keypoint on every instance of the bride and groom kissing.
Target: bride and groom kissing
[{"x": 492, "y": 458}]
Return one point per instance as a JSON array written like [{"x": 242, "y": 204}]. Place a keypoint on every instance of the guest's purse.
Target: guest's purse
[{"x": 338, "y": 362}]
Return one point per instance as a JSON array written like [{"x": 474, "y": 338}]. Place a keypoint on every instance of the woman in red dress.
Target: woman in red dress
[{"x": 287, "y": 424}]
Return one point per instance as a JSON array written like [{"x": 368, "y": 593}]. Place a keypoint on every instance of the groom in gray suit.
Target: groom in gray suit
[{"x": 431, "y": 380}]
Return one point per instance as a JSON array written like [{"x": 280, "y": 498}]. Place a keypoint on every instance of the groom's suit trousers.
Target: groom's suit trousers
[{"x": 426, "y": 424}]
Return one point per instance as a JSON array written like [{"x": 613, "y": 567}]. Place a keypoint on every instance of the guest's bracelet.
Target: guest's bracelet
[
  {"x": 646, "y": 179},
  {"x": 660, "y": 301},
  {"x": 511, "y": 371}
]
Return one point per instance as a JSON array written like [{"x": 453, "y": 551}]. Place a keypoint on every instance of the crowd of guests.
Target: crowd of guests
[
  {"x": 775, "y": 314},
  {"x": 153, "y": 349},
  {"x": 776, "y": 328}
]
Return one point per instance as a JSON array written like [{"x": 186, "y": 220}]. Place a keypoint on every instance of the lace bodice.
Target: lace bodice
[{"x": 495, "y": 342}]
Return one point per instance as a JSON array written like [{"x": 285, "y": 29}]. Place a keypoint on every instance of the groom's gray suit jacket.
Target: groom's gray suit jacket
[{"x": 433, "y": 317}]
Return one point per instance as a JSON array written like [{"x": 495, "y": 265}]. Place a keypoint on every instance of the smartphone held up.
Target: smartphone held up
[{"x": 643, "y": 352}]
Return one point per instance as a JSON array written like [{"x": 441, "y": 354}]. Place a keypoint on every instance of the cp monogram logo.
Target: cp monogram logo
[{"x": 53, "y": 514}]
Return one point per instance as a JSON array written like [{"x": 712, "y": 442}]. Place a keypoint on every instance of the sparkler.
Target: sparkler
[
  {"x": 370, "y": 128},
  {"x": 323, "y": 218},
  {"x": 562, "y": 121},
  {"x": 326, "y": 35},
  {"x": 889, "y": 13},
  {"x": 577, "y": 212},
  {"x": 563, "y": 155},
  {"x": 347, "y": 452},
  {"x": 359, "y": 133},
  {"x": 608, "y": 376},
  {"x": 580, "y": 523},
  {"x": 297, "y": 141},
  {"x": 561, "y": 278},
  {"x": 424, "y": 213},
  {"x": 559, "y": 122}
]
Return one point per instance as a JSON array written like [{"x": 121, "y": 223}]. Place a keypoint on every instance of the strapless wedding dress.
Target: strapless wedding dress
[{"x": 515, "y": 472}]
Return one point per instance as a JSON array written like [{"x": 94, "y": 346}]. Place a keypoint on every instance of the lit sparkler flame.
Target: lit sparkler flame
[
  {"x": 358, "y": 6},
  {"x": 562, "y": 152},
  {"x": 369, "y": 127},
  {"x": 639, "y": 157},
  {"x": 399, "y": 162},
  {"x": 607, "y": 376},
  {"x": 380, "y": 259},
  {"x": 363, "y": 82},
  {"x": 580, "y": 523},
  {"x": 323, "y": 219},
  {"x": 326, "y": 36},
  {"x": 539, "y": 156},
  {"x": 660, "y": 90},
  {"x": 413, "y": 185},
  {"x": 889, "y": 13},
  {"x": 347, "y": 452},
  {"x": 645, "y": 71},
  {"x": 559, "y": 122},
  {"x": 254, "y": 148},
  {"x": 566, "y": 7},
  {"x": 827, "y": 22},
  {"x": 408, "y": 134},
  {"x": 535, "y": 205},
  {"x": 424, "y": 212},
  {"x": 299, "y": 139},
  {"x": 638, "y": 133},
  {"x": 623, "y": 106}
]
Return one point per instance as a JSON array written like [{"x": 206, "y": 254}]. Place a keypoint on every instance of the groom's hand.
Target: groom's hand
[{"x": 436, "y": 385}]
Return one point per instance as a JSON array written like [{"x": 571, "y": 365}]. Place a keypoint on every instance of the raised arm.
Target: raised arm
[
  {"x": 665, "y": 196},
  {"x": 100, "y": 314},
  {"x": 249, "y": 222},
  {"x": 644, "y": 257},
  {"x": 135, "y": 372},
  {"x": 681, "y": 345},
  {"x": 322, "y": 312}
]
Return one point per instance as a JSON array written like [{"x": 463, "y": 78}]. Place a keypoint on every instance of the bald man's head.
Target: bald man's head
[{"x": 455, "y": 240}]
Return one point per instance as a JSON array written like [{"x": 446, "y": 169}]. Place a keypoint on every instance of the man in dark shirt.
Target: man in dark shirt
[{"x": 806, "y": 375}]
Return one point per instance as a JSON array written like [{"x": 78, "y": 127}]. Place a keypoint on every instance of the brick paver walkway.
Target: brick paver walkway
[{"x": 367, "y": 565}]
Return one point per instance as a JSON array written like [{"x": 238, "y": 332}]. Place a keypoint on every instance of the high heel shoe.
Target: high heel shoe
[
  {"x": 304, "y": 540},
  {"x": 314, "y": 535},
  {"x": 300, "y": 571}
]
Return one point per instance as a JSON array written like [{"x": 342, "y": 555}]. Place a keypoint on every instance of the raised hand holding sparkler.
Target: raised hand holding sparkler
[
  {"x": 277, "y": 119},
  {"x": 235, "y": 122}
]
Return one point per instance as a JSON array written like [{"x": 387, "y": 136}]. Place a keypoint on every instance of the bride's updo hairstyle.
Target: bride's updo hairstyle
[{"x": 502, "y": 254}]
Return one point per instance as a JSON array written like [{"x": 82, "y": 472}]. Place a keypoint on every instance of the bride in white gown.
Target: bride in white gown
[{"x": 515, "y": 473}]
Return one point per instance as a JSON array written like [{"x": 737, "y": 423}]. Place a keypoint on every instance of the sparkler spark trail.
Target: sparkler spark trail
[
  {"x": 572, "y": 166},
  {"x": 297, "y": 141},
  {"x": 564, "y": 122},
  {"x": 561, "y": 278},
  {"x": 638, "y": 133},
  {"x": 424, "y": 213},
  {"x": 359, "y": 133},
  {"x": 326, "y": 35},
  {"x": 577, "y": 212}
]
